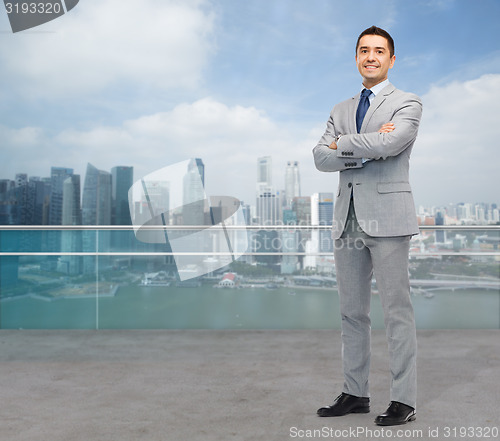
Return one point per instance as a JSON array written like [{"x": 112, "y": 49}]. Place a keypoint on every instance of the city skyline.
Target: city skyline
[
  {"x": 240, "y": 80},
  {"x": 268, "y": 208}
]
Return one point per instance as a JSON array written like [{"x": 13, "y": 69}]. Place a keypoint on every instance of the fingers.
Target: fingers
[{"x": 386, "y": 128}]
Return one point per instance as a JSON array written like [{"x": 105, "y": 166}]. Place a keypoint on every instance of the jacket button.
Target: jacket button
[{"x": 349, "y": 185}]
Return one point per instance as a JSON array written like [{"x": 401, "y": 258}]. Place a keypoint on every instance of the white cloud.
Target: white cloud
[
  {"x": 455, "y": 158},
  {"x": 228, "y": 139},
  {"x": 457, "y": 152},
  {"x": 109, "y": 43}
]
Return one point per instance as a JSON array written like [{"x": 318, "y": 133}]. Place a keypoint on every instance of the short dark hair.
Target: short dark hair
[{"x": 374, "y": 30}]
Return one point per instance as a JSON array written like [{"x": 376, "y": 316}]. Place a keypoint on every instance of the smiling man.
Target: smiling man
[{"x": 368, "y": 140}]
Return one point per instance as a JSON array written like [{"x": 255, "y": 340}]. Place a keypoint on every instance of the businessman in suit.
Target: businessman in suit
[{"x": 368, "y": 140}]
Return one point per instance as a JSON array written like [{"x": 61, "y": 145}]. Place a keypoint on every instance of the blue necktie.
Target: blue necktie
[{"x": 363, "y": 105}]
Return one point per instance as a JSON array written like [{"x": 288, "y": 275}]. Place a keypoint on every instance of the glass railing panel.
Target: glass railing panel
[
  {"x": 48, "y": 241},
  {"x": 278, "y": 283},
  {"x": 35, "y": 294}
]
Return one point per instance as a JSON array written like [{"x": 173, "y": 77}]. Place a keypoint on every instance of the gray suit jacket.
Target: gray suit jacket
[{"x": 380, "y": 188}]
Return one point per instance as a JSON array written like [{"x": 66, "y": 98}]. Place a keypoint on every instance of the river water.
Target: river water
[{"x": 138, "y": 307}]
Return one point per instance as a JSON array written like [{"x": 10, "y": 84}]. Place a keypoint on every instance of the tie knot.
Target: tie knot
[{"x": 366, "y": 93}]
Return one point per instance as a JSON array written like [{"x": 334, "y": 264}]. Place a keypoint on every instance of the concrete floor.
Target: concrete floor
[{"x": 190, "y": 385}]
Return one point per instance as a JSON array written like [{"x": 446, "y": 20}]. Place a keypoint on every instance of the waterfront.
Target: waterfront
[{"x": 138, "y": 307}]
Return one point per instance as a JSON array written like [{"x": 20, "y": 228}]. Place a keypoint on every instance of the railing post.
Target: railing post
[{"x": 97, "y": 279}]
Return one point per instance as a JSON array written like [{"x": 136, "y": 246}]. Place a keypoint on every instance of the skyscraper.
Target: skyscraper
[
  {"x": 122, "y": 179},
  {"x": 40, "y": 191},
  {"x": 193, "y": 194},
  {"x": 201, "y": 169},
  {"x": 21, "y": 197},
  {"x": 96, "y": 201},
  {"x": 264, "y": 174},
  {"x": 6, "y": 202},
  {"x": 267, "y": 207},
  {"x": 267, "y": 202},
  {"x": 292, "y": 182},
  {"x": 440, "y": 234},
  {"x": 321, "y": 240},
  {"x": 71, "y": 215},
  {"x": 57, "y": 176},
  {"x": 96, "y": 210},
  {"x": 71, "y": 211}
]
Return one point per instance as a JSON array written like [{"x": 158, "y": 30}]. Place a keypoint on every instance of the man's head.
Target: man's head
[{"x": 374, "y": 55}]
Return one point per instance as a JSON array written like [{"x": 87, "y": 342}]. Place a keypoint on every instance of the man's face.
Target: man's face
[{"x": 373, "y": 59}]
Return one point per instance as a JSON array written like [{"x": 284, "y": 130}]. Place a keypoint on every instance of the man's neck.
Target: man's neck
[{"x": 369, "y": 85}]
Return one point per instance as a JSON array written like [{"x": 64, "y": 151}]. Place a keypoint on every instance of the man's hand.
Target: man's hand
[{"x": 387, "y": 128}]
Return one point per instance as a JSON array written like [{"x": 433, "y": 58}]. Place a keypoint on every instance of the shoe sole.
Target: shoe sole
[
  {"x": 355, "y": 410},
  {"x": 412, "y": 418}
]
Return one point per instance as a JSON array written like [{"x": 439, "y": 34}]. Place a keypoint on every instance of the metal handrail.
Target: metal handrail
[
  {"x": 98, "y": 228},
  {"x": 221, "y": 253},
  {"x": 220, "y": 226}
]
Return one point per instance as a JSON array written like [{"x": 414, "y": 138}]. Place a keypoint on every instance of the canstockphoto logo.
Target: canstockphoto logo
[
  {"x": 175, "y": 195},
  {"x": 26, "y": 14}
]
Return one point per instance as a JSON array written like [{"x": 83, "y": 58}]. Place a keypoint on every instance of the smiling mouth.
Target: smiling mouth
[{"x": 371, "y": 67}]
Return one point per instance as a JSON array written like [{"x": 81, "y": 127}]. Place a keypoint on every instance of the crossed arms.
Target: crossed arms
[{"x": 390, "y": 140}]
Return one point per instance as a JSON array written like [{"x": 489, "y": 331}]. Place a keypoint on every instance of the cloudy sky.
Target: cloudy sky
[{"x": 152, "y": 82}]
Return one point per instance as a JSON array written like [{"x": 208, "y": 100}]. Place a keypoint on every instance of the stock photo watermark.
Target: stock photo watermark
[
  {"x": 26, "y": 14},
  {"x": 360, "y": 432},
  {"x": 174, "y": 196}
]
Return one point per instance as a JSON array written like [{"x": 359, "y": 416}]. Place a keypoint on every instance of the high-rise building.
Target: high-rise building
[
  {"x": 122, "y": 179},
  {"x": 290, "y": 241},
  {"x": 201, "y": 169},
  {"x": 40, "y": 191},
  {"x": 96, "y": 200},
  {"x": 264, "y": 174},
  {"x": 267, "y": 241},
  {"x": 302, "y": 208},
  {"x": 21, "y": 197},
  {"x": 21, "y": 179},
  {"x": 71, "y": 210},
  {"x": 321, "y": 214},
  {"x": 325, "y": 208},
  {"x": 193, "y": 196},
  {"x": 292, "y": 182},
  {"x": 6, "y": 203},
  {"x": 267, "y": 207},
  {"x": 440, "y": 234},
  {"x": 71, "y": 215},
  {"x": 267, "y": 201},
  {"x": 57, "y": 176},
  {"x": 96, "y": 210}
]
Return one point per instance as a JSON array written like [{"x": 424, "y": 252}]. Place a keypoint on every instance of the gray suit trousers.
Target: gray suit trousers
[{"x": 357, "y": 258}]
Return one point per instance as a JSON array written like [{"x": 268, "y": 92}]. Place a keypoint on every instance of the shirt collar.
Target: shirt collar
[{"x": 377, "y": 88}]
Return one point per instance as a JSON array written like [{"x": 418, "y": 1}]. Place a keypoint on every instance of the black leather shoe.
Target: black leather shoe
[
  {"x": 397, "y": 413},
  {"x": 345, "y": 404}
]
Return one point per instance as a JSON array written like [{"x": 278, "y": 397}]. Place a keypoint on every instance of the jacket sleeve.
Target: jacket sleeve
[
  {"x": 328, "y": 160},
  {"x": 377, "y": 145}
]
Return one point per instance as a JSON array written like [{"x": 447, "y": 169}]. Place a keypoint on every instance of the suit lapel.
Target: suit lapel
[
  {"x": 376, "y": 103},
  {"x": 351, "y": 112}
]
